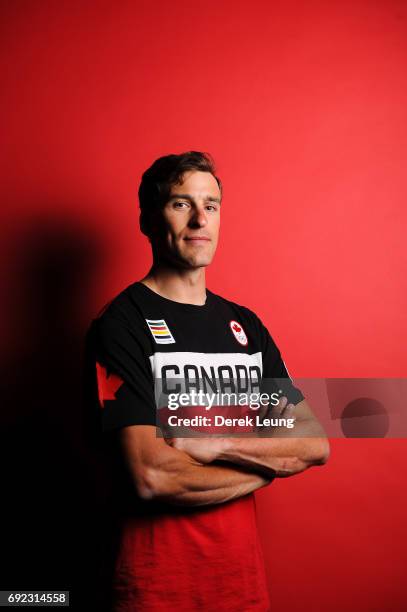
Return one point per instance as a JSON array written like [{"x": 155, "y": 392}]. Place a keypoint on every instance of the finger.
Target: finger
[
  {"x": 262, "y": 411},
  {"x": 289, "y": 410},
  {"x": 278, "y": 409},
  {"x": 283, "y": 402}
]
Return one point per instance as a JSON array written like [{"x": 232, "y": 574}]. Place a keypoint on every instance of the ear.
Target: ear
[
  {"x": 152, "y": 223},
  {"x": 144, "y": 224}
]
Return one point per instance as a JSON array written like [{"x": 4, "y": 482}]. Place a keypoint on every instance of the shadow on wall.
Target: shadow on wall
[{"x": 53, "y": 489}]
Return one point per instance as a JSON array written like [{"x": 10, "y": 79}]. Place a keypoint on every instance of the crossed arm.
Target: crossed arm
[
  {"x": 201, "y": 471},
  {"x": 165, "y": 473},
  {"x": 275, "y": 452}
]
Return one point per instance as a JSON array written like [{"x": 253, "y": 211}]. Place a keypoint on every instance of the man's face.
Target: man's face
[{"x": 190, "y": 221}]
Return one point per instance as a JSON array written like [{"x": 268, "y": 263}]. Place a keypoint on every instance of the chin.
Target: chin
[
  {"x": 199, "y": 262},
  {"x": 196, "y": 260}
]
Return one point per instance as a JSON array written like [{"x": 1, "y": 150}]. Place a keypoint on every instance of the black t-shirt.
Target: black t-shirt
[
  {"x": 208, "y": 556},
  {"x": 141, "y": 335}
]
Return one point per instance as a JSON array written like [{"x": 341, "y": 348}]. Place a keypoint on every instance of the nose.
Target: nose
[{"x": 198, "y": 218}]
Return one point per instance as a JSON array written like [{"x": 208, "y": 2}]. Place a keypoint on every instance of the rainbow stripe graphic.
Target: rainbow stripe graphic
[{"x": 160, "y": 331}]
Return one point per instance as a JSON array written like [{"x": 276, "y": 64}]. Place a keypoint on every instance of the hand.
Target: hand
[{"x": 282, "y": 410}]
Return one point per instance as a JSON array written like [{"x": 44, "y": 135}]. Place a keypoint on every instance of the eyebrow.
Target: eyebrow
[{"x": 186, "y": 196}]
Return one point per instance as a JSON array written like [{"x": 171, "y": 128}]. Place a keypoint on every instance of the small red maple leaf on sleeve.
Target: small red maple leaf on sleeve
[
  {"x": 236, "y": 327},
  {"x": 108, "y": 384}
]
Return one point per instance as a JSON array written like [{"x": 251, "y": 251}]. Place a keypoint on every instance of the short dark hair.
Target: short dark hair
[{"x": 166, "y": 171}]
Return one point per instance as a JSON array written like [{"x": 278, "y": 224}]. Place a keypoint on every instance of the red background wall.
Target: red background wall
[{"x": 303, "y": 105}]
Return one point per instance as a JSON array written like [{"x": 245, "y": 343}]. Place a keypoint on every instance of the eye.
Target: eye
[
  {"x": 212, "y": 207},
  {"x": 179, "y": 204}
]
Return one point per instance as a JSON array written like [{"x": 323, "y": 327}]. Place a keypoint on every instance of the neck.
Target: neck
[{"x": 185, "y": 286}]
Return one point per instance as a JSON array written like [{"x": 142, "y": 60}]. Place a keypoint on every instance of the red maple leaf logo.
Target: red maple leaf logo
[
  {"x": 108, "y": 385},
  {"x": 236, "y": 327}
]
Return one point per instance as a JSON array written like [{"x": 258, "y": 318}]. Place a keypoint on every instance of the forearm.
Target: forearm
[
  {"x": 270, "y": 451},
  {"x": 183, "y": 481},
  {"x": 275, "y": 456},
  {"x": 277, "y": 450}
]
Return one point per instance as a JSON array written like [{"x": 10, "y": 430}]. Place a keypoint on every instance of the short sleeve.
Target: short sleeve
[
  {"x": 275, "y": 373},
  {"x": 125, "y": 384}
]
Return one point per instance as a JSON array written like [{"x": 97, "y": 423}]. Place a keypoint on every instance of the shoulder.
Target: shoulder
[
  {"x": 245, "y": 314},
  {"x": 123, "y": 307},
  {"x": 120, "y": 316},
  {"x": 252, "y": 324}
]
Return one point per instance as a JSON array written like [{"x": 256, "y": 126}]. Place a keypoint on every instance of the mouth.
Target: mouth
[{"x": 197, "y": 239}]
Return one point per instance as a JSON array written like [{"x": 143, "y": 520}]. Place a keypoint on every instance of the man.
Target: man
[{"x": 188, "y": 535}]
